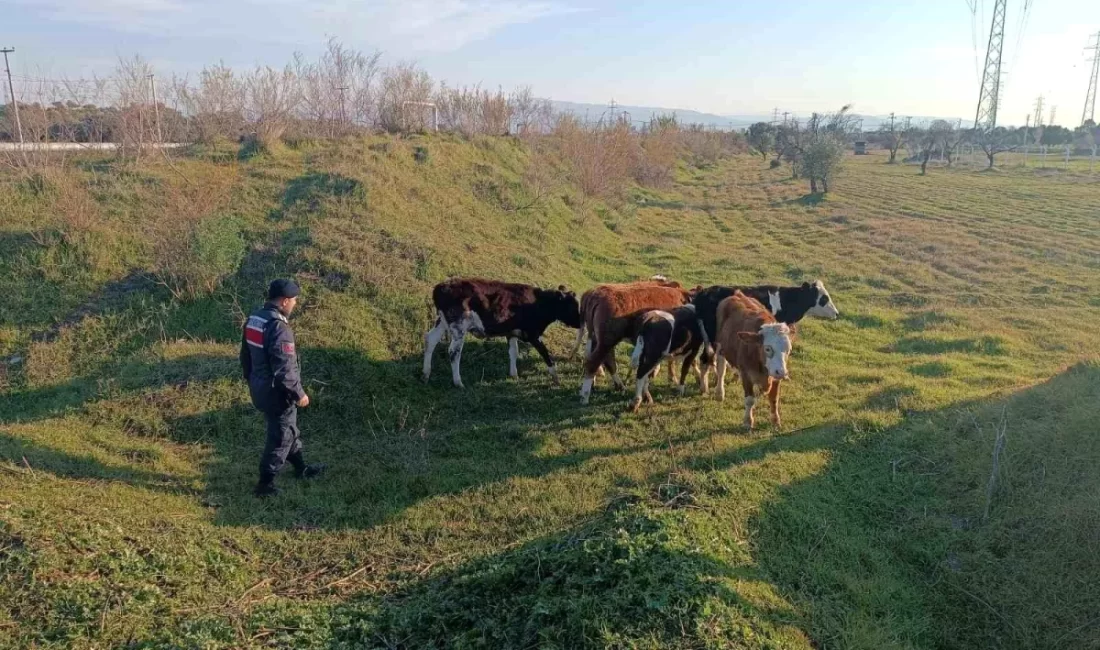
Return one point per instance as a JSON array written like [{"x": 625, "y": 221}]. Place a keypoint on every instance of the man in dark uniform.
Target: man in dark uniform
[{"x": 270, "y": 364}]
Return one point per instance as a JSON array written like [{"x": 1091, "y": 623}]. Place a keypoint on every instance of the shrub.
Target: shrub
[{"x": 195, "y": 258}]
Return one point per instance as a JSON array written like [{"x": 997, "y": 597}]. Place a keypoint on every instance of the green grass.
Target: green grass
[{"x": 507, "y": 515}]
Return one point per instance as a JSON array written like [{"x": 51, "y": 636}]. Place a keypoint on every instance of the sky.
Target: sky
[{"x": 727, "y": 57}]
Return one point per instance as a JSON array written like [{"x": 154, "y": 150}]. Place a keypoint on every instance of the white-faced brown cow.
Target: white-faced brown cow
[
  {"x": 487, "y": 308},
  {"x": 663, "y": 333},
  {"x": 610, "y": 313},
  {"x": 787, "y": 304},
  {"x": 750, "y": 339}
]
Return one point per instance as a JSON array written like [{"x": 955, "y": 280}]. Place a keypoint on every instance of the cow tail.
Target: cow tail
[
  {"x": 636, "y": 356},
  {"x": 580, "y": 339},
  {"x": 708, "y": 351}
]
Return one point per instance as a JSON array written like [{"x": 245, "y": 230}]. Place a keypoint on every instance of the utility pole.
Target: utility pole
[
  {"x": 1039, "y": 111},
  {"x": 11, "y": 89},
  {"x": 612, "y": 106},
  {"x": 156, "y": 109},
  {"x": 985, "y": 119},
  {"x": 785, "y": 114},
  {"x": 1090, "y": 97},
  {"x": 1027, "y": 136},
  {"x": 775, "y": 115},
  {"x": 891, "y": 122}
]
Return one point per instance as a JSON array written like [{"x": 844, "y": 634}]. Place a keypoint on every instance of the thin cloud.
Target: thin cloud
[{"x": 406, "y": 26}]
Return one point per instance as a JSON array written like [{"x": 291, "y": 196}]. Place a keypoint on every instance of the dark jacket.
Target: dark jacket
[{"x": 270, "y": 360}]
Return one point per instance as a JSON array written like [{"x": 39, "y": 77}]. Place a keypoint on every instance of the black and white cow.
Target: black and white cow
[
  {"x": 663, "y": 333},
  {"x": 488, "y": 308},
  {"x": 787, "y": 304}
]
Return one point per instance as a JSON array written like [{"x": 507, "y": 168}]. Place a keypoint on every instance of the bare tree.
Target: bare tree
[
  {"x": 893, "y": 137},
  {"x": 404, "y": 90},
  {"x": 924, "y": 139},
  {"x": 529, "y": 113},
  {"x": 133, "y": 99},
  {"x": 215, "y": 105},
  {"x": 339, "y": 90},
  {"x": 995, "y": 141},
  {"x": 271, "y": 97},
  {"x": 951, "y": 138}
]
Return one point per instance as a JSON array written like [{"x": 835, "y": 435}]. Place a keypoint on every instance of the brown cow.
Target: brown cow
[
  {"x": 750, "y": 339},
  {"x": 610, "y": 313}
]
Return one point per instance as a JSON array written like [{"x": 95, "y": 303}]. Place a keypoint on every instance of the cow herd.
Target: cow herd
[{"x": 747, "y": 328}]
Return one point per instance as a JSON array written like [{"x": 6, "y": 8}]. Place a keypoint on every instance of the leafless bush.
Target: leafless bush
[
  {"x": 530, "y": 114},
  {"x": 215, "y": 105},
  {"x": 599, "y": 156},
  {"x": 338, "y": 91},
  {"x": 658, "y": 152},
  {"x": 271, "y": 97},
  {"x": 405, "y": 89},
  {"x": 135, "y": 127},
  {"x": 471, "y": 110}
]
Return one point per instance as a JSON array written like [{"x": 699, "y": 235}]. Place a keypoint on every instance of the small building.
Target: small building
[{"x": 861, "y": 147}]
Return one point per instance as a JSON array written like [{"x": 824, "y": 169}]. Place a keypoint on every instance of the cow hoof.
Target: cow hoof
[
  {"x": 680, "y": 391},
  {"x": 635, "y": 405},
  {"x": 458, "y": 384},
  {"x": 555, "y": 381},
  {"x": 424, "y": 378}
]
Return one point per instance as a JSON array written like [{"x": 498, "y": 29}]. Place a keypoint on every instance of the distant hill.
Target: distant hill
[{"x": 687, "y": 116}]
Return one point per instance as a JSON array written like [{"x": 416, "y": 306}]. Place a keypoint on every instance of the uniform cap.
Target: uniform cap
[{"x": 283, "y": 288}]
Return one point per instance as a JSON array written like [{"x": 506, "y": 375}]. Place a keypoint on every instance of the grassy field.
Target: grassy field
[{"x": 507, "y": 515}]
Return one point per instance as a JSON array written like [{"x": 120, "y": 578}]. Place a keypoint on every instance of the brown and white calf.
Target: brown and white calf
[
  {"x": 610, "y": 314},
  {"x": 750, "y": 339},
  {"x": 661, "y": 334},
  {"x": 488, "y": 308}
]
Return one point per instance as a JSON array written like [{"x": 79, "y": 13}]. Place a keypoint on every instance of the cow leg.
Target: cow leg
[
  {"x": 591, "y": 364},
  {"x": 648, "y": 362},
  {"x": 720, "y": 384},
  {"x": 540, "y": 347},
  {"x": 689, "y": 362},
  {"x": 432, "y": 339},
  {"x": 750, "y": 401},
  {"x": 591, "y": 345},
  {"x": 672, "y": 370},
  {"x": 458, "y": 337},
  {"x": 513, "y": 355},
  {"x": 773, "y": 400},
  {"x": 613, "y": 369}
]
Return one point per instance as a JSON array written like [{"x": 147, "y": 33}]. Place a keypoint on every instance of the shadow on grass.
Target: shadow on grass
[
  {"x": 887, "y": 547},
  {"x": 883, "y": 548}
]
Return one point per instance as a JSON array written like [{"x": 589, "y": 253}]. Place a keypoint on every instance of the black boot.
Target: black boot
[
  {"x": 266, "y": 486},
  {"x": 301, "y": 470}
]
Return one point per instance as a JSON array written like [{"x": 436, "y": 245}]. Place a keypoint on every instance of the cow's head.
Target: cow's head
[
  {"x": 775, "y": 344},
  {"x": 565, "y": 306},
  {"x": 824, "y": 307}
]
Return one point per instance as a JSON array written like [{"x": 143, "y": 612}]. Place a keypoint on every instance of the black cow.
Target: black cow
[
  {"x": 489, "y": 308},
  {"x": 661, "y": 333}
]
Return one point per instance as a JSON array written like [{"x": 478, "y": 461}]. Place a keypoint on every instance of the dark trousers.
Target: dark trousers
[{"x": 283, "y": 441}]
